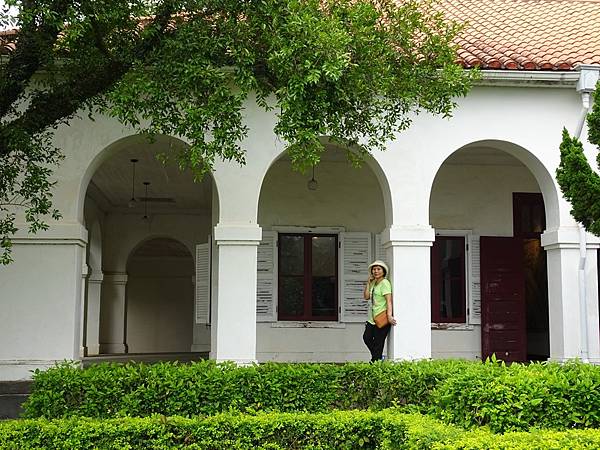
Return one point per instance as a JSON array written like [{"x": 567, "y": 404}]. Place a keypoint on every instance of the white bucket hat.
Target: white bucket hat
[{"x": 380, "y": 264}]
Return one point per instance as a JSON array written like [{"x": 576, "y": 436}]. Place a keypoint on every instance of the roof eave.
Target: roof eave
[{"x": 528, "y": 78}]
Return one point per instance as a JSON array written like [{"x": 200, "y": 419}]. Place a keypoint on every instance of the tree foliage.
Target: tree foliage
[
  {"x": 353, "y": 70},
  {"x": 579, "y": 183}
]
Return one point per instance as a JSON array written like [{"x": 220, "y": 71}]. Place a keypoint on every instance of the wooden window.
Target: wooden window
[
  {"x": 448, "y": 284},
  {"x": 529, "y": 217},
  {"x": 308, "y": 277}
]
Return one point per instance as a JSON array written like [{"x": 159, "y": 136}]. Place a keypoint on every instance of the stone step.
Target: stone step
[{"x": 12, "y": 396}]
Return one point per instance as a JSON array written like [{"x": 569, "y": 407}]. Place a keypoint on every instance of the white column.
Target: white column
[
  {"x": 235, "y": 321},
  {"x": 591, "y": 270},
  {"x": 562, "y": 247},
  {"x": 113, "y": 313},
  {"x": 94, "y": 292},
  {"x": 409, "y": 251}
]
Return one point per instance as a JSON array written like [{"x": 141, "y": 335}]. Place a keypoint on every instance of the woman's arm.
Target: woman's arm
[
  {"x": 367, "y": 292},
  {"x": 390, "y": 311}
]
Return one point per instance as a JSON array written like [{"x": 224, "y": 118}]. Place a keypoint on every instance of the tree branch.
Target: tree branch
[{"x": 33, "y": 48}]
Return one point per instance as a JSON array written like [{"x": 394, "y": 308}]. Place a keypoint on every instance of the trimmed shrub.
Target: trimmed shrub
[
  {"x": 519, "y": 397},
  {"x": 335, "y": 430},
  {"x": 170, "y": 389},
  {"x": 505, "y": 398},
  {"x": 550, "y": 440}
]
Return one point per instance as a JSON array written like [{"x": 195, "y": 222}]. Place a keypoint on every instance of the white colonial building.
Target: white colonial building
[{"x": 261, "y": 263}]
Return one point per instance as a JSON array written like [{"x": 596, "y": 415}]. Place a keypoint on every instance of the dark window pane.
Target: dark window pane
[
  {"x": 448, "y": 272},
  {"x": 291, "y": 255},
  {"x": 291, "y": 291},
  {"x": 323, "y": 256},
  {"x": 323, "y": 296}
]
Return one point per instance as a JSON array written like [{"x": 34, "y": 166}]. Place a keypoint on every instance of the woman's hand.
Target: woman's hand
[{"x": 391, "y": 319}]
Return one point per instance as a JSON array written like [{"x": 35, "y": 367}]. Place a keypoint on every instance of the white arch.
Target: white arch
[
  {"x": 105, "y": 153},
  {"x": 369, "y": 160},
  {"x": 543, "y": 177}
]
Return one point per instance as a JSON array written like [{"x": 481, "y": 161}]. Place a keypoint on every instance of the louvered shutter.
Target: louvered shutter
[
  {"x": 203, "y": 283},
  {"x": 355, "y": 259},
  {"x": 474, "y": 280},
  {"x": 266, "y": 283},
  {"x": 380, "y": 252}
]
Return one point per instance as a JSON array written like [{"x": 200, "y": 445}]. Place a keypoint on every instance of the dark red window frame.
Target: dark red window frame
[
  {"x": 436, "y": 281},
  {"x": 308, "y": 316}
]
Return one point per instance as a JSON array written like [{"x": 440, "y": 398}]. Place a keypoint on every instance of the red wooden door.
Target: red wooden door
[{"x": 503, "y": 327}]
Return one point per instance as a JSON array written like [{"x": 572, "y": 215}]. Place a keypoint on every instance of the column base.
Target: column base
[{"x": 113, "y": 348}]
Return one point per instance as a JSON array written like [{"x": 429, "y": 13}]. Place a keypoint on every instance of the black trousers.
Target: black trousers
[{"x": 374, "y": 339}]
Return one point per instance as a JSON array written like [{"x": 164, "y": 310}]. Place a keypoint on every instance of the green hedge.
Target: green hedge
[
  {"x": 334, "y": 430},
  {"x": 422, "y": 432},
  {"x": 105, "y": 391},
  {"x": 518, "y": 397},
  {"x": 505, "y": 398}
]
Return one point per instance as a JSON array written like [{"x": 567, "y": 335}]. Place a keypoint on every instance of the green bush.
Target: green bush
[
  {"x": 423, "y": 432},
  {"x": 335, "y": 430},
  {"x": 505, "y": 398},
  {"x": 111, "y": 390},
  {"x": 519, "y": 397}
]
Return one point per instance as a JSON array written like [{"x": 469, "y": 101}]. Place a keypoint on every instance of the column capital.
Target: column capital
[
  {"x": 237, "y": 234},
  {"x": 115, "y": 277},
  {"x": 414, "y": 236},
  {"x": 561, "y": 238}
]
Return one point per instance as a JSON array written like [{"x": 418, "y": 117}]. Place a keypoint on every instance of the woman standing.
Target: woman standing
[{"x": 379, "y": 292}]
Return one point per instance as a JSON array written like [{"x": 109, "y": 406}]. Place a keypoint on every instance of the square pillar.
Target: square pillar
[
  {"x": 563, "y": 257},
  {"x": 92, "y": 320},
  {"x": 234, "y": 323},
  {"x": 408, "y": 249},
  {"x": 592, "y": 313},
  {"x": 40, "y": 301},
  {"x": 113, "y": 313}
]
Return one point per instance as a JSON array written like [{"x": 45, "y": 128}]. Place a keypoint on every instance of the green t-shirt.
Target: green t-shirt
[{"x": 378, "y": 302}]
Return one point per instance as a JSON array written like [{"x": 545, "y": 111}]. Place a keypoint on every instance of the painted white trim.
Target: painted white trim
[
  {"x": 528, "y": 78},
  {"x": 300, "y": 229},
  {"x": 310, "y": 324}
]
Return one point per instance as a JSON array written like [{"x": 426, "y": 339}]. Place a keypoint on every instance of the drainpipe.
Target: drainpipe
[{"x": 588, "y": 77}]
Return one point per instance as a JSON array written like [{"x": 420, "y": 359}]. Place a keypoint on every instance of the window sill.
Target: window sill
[
  {"x": 315, "y": 324},
  {"x": 452, "y": 326}
]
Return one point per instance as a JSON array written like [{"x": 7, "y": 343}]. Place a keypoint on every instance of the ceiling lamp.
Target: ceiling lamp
[
  {"x": 312, "y": 183},
  {"x": 146, "y": 184},
  {"x": 132, "y": 201}
]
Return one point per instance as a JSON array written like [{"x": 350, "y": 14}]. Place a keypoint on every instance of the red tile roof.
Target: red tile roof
[
  {"x": 527, "y": 34},
  {"x": 511, "y": 34}
]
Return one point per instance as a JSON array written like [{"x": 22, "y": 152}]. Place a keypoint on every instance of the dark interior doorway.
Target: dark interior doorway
[{"x": 529, "y": 222}]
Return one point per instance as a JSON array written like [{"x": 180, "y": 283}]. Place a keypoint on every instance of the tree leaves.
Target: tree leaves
[
  {"x": 579, "y": 183},
  {"x": 355, "y": 71}
]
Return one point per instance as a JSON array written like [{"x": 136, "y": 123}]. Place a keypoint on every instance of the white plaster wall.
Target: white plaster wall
[
  {"x": 40, "y": 311},
  {"x": 345, "y": 196},
  {"x": 526, "y": 121},
  {"x": 125, "y": 232},
  {"x": 476, "y": 198},
  {"x": 160, "y": 305}
]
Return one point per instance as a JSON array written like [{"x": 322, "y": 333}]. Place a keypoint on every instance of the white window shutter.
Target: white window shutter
[
  {"x": 203, "y": 283},
  {"x": 380, "y": 253},
  {"x": 266, "y": 281},
  {"x": 474, "y": 280},
  {"x": 355, "y": 259}
]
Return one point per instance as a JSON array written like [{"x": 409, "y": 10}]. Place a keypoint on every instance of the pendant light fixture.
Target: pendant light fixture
[
  {"x": 146, "y": 184},
  {"x": 132, "y": 201},
  {"x": 312, "y": 183}
]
